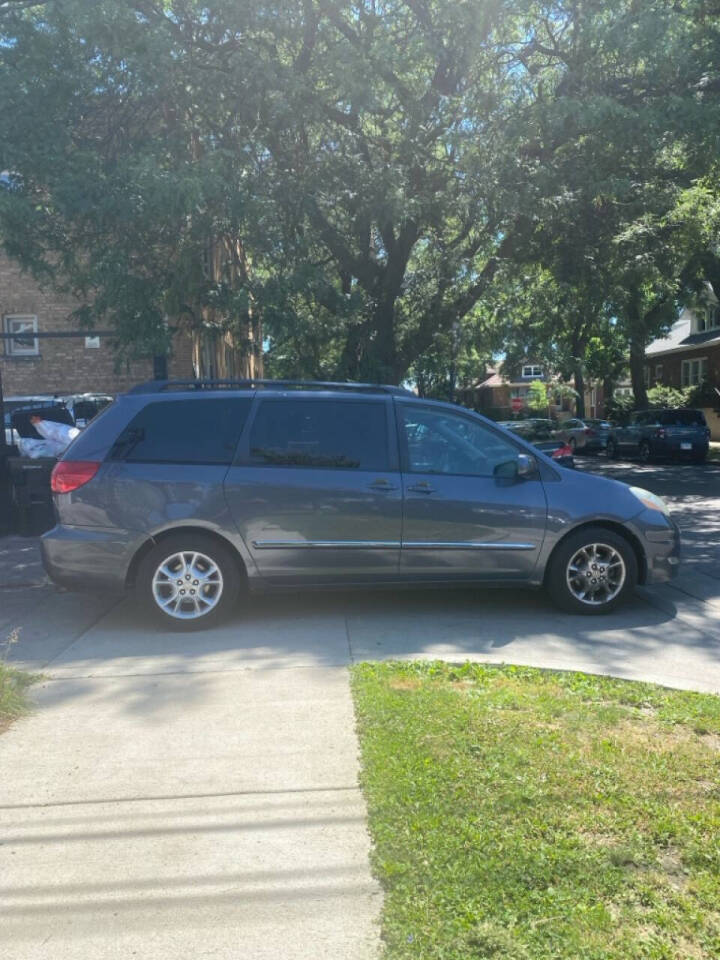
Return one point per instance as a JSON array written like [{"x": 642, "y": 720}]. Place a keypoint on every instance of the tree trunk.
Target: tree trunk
[
  {"x": 608, "y": 387},
  {"x": 637, "y": 368},
  {"x": 580, "y": 388},
  {"x": 638, "y": 341},
  {"x": 382, "y": 355}
]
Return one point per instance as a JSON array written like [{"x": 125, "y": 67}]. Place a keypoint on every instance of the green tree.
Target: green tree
[
  {"x": 362, "y": 177},
  {"x": 537, "y": 397}
]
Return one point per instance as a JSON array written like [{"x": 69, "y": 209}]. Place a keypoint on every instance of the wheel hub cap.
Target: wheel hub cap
[
  {"x": 596, "y": 574},
  {"x": 187, "y": 585}
]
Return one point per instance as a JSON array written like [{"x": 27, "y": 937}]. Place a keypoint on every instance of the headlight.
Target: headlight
[{"x": 650, "y": 500}]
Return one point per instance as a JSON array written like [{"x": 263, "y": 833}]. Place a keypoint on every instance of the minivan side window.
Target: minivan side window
[
  {"x": 444, "y": 442},
  {"x": 344, "y": 435},
  {"x": 203, "y": 430}
]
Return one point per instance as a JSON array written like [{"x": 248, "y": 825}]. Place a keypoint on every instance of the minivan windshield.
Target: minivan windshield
[{"x": 682, "y": 418}]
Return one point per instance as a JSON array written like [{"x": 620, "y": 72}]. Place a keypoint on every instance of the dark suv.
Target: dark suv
[
  {"x": 661, "y": 433},
  {"x": 185, "y": 492}
]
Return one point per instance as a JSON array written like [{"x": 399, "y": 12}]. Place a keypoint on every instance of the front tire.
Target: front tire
[
  {"x": 189, "y": 581},
  {"x": 593, "y": 571}
]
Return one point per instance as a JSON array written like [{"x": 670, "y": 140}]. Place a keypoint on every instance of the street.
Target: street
[
  {"x": 692, "y": 490},
  {"x": 668, "y": 633}
]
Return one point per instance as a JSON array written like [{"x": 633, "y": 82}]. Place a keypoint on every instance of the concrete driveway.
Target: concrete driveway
[{"x": 197, "y": 794}]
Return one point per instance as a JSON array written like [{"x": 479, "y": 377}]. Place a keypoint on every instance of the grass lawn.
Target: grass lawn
[
  {"x": 520, "y": 814},
  {"x": 13, "y": 687}
]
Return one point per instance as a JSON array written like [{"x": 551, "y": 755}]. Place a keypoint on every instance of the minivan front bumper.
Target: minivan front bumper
[
  {"x": 82, "y": 558},
  {"x": 660, "y": 539}
]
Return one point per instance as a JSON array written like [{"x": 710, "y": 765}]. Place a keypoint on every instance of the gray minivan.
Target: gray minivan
[{"x": 187, "y": 491}]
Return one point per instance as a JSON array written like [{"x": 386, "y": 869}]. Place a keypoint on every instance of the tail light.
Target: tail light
[
  {"x": 69, "y": 475},
  {"x": 564, "y": 451},
  {"x": 589, "y": 432}
]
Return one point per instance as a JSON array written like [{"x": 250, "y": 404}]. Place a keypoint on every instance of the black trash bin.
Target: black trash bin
[
  {"x": 5, "y": 491},
  {"x": 32, "y": 510},
  {"x": 31, "y": 505}
]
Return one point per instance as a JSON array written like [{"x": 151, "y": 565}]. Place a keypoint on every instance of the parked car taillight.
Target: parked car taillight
[
  {"x": 69, "y": 475},
  {"x": 565, "y": 451},
  {"x": 589, "y": 432}
]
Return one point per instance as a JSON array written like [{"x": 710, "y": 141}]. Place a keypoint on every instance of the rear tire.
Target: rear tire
[
  {"x": 189, "y": 581},
  {"x": 700, "y": 458},
  {"x": 574, "y": 572}
]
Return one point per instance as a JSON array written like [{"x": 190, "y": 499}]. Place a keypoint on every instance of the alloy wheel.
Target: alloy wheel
[
  {"x": 596, "y": 574},
  {"x": 187, "y": 585}
]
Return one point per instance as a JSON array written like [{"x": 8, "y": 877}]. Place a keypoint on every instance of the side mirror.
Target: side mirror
[{"x": 520, "y": 468}]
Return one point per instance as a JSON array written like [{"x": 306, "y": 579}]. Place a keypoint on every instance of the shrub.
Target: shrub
[{"x": 662, "y": 396}]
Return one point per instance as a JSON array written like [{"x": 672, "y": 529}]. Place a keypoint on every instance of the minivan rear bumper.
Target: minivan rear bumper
[
  {"x": 674, "y": 447},
  {"x": 82, "y": 558}
]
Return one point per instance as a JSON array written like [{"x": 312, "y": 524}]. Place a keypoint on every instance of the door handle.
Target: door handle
[
  {"x": 382, "y": 484},
  {"x": 422, "y": 486}
]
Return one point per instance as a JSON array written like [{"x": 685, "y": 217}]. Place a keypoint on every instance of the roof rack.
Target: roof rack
[{"x": 160, "y": 386}]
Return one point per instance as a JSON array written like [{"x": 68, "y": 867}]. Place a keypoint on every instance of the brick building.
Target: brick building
[
  {"x": 689, "y": 356},
  {"x": 36, "y": 365},
  {"x": 501, "y": 395}
]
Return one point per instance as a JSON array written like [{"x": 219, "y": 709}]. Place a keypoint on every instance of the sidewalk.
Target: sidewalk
[{"x": 207, "y": 814}]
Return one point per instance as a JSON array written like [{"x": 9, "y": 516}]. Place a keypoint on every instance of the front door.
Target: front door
[
  {"x": 460, "y": 518},
  {"x": 316, "y": 492}
]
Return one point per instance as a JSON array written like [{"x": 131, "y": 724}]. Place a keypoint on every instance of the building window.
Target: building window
[
  {"x": 519, "y": 393},
  {"x": 707, "y": 319},
  {"x": 532, "y": 370},
  {"x": 658, "y": 372},
  {"x": 694, "y": 371},
  {"x": 21, "y": 343}
]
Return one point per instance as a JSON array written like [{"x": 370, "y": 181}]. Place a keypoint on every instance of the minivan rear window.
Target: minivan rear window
[
  {"x": 184, "y": 431},
  {"x": 682, "y": 418},
  {"x": 347, "y": 435}
]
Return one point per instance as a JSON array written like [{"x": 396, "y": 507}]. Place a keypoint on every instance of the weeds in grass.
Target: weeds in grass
[{"x": 13, "y": 684}]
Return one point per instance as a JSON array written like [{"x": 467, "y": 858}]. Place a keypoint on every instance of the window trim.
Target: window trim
[
  {"x": 686, "y": 365},
  {"x": 244, "y": 459},
  {"x": 505, "y": 436},
  {"x": 658, "y": 372},
  {"x": 34, "y": 351},
  {"x": 532, "y": 367},
  {"x": 706, "y": 319}
]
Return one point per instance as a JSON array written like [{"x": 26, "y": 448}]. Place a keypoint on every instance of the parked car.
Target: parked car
[
  {"x": 557, "y": 450},
  {"x": 184, "y": 492},
  {"x": 661, "y": 433},
  {"x": 537, "y": 427},
  {"x": 587, "y": 435}
]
